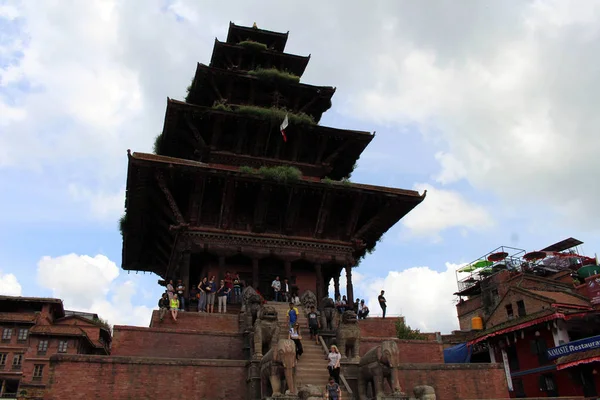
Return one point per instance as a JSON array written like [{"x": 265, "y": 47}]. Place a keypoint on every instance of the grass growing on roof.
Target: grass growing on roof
[
  {"x": 252, "y": 45},
  {"x": 123, "y": 223},
  {"x": 277, "y": 114},
  {"x": 280, "y": 174},
  {"x": 274, "y": 75},
  {"x": 221, "y": 106},
  {"x": 158, "y": 144}
]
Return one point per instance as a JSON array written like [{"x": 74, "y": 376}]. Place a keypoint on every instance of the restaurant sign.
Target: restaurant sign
[
  {"x": 593, "y": 288},
  {"x": 576, "y": 346}
]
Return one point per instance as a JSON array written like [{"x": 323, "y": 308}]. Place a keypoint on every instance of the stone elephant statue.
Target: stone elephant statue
[
  {"x": 348, "y": 335},
  {"x": 328, "y": 314},
  {"x": 266, "y": 330},
  {"x": 379, "y": 364},
  {"x": 251, "y": 303},
  {"x": 279, "y": 363}
]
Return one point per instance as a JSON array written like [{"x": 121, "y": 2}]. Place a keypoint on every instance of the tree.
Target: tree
[{"x": 404, "y": 331}]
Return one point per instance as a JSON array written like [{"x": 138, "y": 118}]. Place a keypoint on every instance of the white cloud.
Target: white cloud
[
  {"x": 103, "y": 206},
  {"x": 422, "y": 295},
  {"x": 90, "y": 284},
  {"x": 9, "y": 285},
  {"x": 445, "y": 209}
]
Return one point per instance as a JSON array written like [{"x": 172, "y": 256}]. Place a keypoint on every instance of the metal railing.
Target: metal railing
[{"x": 342, "y": 377}]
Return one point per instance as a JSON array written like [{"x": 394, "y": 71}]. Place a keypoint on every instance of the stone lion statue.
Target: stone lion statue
[
  {"x": 328, "y": 314},
  {"x": 251, "y": 303},
  {"x": 308, "y": 300},
  {"x": 266, "y": 331},
  {"x": 348, "y": 335},
  {"x": 310, "y": 392},
  {"x": 423, "y": 392}
]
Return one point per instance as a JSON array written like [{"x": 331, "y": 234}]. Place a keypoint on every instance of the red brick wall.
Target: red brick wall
[
  {"x": 411, "y": 351},
  {"x": 378, "y": 327},
  {"x": 157, "y": 342},
  {"x": 201, "y": 322},
  {"x": 456, "y": 381},
  {"x": 305, "y": 280},
  {"x": 532, "y": 305},
  {"x": 116, "y": 378}
]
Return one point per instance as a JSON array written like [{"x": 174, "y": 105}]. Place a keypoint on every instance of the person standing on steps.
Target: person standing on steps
[
  {"x": 313, "y": 324},
  {"x": 295, "y": 336},
  {"x": 333, "y": 390},
  {"x": 382, "y": 302},
  {"x": 292, "y": 315},
  {"x": 181, "y": 295},
  {"x": 202, "y": 295},
  {"x": 222, "y": 293},
  {"x": 333, "y": 366},
  {"x": 276, "y": 285},
  {"x": 211, "y": 289}
]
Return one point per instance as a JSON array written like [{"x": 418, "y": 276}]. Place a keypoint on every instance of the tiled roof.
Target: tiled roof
[
  {"x": 562, "y": 298},
  {"x": 578, "y": 358},
  {"x": 57, "y": 330},
  {"x": 17, "y": 317},
  {"x": 32, "y": 299}
]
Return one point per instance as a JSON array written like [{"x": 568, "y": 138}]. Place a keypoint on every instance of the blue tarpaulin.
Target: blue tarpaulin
[{"x": 459, "y": 354}]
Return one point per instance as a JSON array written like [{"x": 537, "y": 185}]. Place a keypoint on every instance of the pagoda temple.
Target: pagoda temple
[{"x": 226, "y": 190}]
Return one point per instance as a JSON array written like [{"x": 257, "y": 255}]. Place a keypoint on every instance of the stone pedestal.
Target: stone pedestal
[
  {"x": 284, "y": 397},
  {"x": 253, "y": 381}
]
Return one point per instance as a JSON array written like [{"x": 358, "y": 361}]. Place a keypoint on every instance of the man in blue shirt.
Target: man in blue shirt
[{"x": 292, "y": 315}]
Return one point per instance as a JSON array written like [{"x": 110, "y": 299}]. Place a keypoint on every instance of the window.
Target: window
[
  {"x": 7, "y": 334},
  {"x": 42, "y": 346},
  {"x": 17, "y": 361},
  {"x": 38, "y": 370},
  {"x": 3, "y": 359},
  {"x": 62, "y": 346},
  {"x": 509, "y": 311},
  {"x": 548, "y": 384},
  {"x": 22, "y": 334},
  {"x": 521, "y": 308},
  {"x": 518, "y": 388}
]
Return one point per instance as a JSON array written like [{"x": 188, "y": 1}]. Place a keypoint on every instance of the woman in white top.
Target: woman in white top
[
  {"x": 170, "y": 289},
  {"x": 334, "y": 357},
  {"x": 295, "y": 336}
]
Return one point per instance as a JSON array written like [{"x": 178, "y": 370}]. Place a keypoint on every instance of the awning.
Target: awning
[
  {"x": 475, "y": 265},
  {"x": 576, "y": 359},
  {"x": 459, "y": 354}
]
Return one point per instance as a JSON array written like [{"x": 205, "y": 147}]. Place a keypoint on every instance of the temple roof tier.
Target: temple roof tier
[
  {"x": 274, "y": 40},
  {"x": 229, "y": 137},
  {"x": 212, "y": 85},
  {"x": 173, "y": 202},
  {"x": 235, "y": 57}
]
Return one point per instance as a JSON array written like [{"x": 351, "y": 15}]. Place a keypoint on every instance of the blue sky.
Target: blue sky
[{"x": 492, "y": 109}]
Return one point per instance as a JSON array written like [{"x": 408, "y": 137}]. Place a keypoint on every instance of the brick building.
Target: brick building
[
  {"x": 537, "y": 313},
  {"x": 34, "y": 329}
]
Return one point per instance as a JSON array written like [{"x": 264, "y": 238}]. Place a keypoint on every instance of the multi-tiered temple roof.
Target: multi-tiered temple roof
[{"x": 223, "y": 180}]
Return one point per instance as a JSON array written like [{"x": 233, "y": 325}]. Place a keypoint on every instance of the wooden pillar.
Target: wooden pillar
[
  {"x": 255, "y": 273},
  {"x": 349, "y": 287},
  {"x": 320, "y": 283},
  {"x": 336, "y": 285},
  {"x": 288, "y": 271},
  {"x": 184, "y": 271},
  {"x": 221, "y": 268}
]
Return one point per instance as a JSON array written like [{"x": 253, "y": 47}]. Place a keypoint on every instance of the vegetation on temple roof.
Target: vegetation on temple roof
[
  {"x": 158, "y": 144},
  {"x": 404, "y": 331},
  {"x": 345, "y": 181},
  {"x": 122, "y": 223},
  {"x": 279, "y": 174},
  {"x": 274, "y": 75},
  {"x": 253, "y": 46},
  {"x": 276, "y": 114}
]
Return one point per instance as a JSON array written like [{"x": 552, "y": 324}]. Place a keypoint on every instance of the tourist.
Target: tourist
[
  {"x": 295, "y": 299},
  {"x": 193, "y": 297},
  {"x": 334, "y": 357},
  {"x": 222, "y": 294},
  {"x": 228, "y": 285},
  {"x": 211, "y": 289},
  {"x": 170, "y": 289},
  {"x": 295, "y": 336},
  {"x": 163, "y": 306},
  {"x": 357, "y": 305},
  {"x": 181, "y": 294},
  {"x": 382, "y": 302},
  {"x": 333, "y": 390},
  {"x": 237, "y": 288},
  {"x": 285, "y": 291},
  {"x": 174, "y": 304},
  {"x": 276, "y": 285},
  {"x": 363, "y": 310},
  {"x": 313, "y": 324},
  {"x": 202, "y": 295},
  {"x": 292, "y": 315}
]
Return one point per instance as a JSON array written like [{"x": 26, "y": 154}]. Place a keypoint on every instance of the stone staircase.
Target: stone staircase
[{"x": 312, "y": 366}]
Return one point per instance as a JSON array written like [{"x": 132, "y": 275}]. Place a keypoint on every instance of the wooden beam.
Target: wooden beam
[
  {"x": 323, "y": 213},
  {"x": 197, "y": 198},
  {"x": 196, "y": 134},
  {"x": 380, "y": 214},
  {"x": 241, "y": 134},
  {"x": 213, "y": 84},
  {"x": 359, "y": 201},
  {"x": 294, "y": 201},
  {"x": 217, "y": 130},
  {"x": 227, "y": 204},
  {"x": 297, "y": 147},
  {"x": 332, "y": 157},
  {"x": 310, "y": 103},
  {"x": 172, "y": 204},
  {"x": 260, "y": 212},
  {"x": 322, "y": 147}
]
